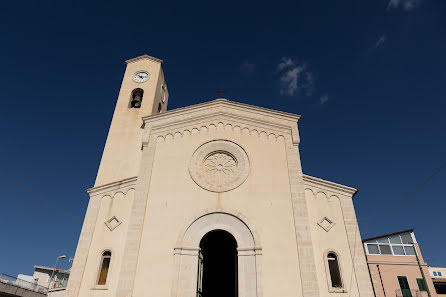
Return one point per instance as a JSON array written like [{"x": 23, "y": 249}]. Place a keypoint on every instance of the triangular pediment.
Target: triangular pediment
[{"x": 223, "y": 112}]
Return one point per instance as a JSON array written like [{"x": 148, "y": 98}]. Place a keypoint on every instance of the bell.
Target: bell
[{"x": 136, "y": 101}]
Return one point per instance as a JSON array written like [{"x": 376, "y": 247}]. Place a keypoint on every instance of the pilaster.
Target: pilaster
[
  {"x": 134, "y": 233},
  {"x": 310, "y": 287}
]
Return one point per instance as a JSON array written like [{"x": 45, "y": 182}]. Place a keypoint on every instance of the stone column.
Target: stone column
[
  {"x": 247, "y": 274},
  {"x": 186, "y": 284}
]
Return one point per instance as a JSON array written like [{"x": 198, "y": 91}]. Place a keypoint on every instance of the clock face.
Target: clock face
[{"x": 141, "y": 76}]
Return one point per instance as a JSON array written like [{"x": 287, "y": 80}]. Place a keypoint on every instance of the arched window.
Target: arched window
[
  {"x": 334, "y": 270},
  {"x": 163, "y": 93},
  {"x": 136, "y": 98},
  {"x": 105, "y": 264}
]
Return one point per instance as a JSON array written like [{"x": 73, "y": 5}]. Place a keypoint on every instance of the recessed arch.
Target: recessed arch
[
  {"x": 188, "y": 247},
  {"x": 238, "y": 220}
]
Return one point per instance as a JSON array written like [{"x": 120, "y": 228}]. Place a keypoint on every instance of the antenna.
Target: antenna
[{"x": 221, "y": 92}]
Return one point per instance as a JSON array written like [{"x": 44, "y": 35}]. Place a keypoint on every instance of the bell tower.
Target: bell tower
[{"x": 143, "y": 92}]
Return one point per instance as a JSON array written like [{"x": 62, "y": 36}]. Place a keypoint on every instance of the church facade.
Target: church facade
[{"x": 210, "y": 200}]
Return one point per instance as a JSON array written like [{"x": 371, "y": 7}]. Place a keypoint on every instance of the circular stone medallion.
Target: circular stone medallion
[{"x": 219, "y": 166}]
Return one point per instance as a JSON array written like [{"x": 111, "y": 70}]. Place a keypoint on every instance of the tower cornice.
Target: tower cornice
[
  {"x": 144, "y": 57},
  {"x": 331, "y": 186}
]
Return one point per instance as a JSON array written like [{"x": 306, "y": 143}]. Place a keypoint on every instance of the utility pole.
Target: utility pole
[{"x": 221, "y": 92}]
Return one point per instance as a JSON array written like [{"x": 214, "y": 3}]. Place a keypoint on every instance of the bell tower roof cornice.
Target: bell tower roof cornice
[{"x": 144, "y": 57}]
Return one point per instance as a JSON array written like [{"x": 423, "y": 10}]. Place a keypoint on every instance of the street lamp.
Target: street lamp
[{"x": 54, "y": 269}]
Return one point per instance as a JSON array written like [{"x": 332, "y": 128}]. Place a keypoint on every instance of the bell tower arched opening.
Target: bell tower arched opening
[{"x": 218, "y": 270}]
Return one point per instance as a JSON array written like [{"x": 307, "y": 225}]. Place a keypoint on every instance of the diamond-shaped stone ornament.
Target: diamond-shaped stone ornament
[
  {"x": 326, "y": 224},
  {"x": 112, "y": 223}
]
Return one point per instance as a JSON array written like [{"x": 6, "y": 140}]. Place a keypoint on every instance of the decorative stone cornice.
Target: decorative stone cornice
[
  {"x": 144, "y": 57},
  {"x": 113, "y": 187},
  {"x": 225, "y": 102},
  {"x": 225, "y": 112},
  {"x": 330, "y": 187}
]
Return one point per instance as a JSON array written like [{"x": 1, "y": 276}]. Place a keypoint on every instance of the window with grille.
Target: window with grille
[
  {"x": 105, "y": 265},
  {"x": 335, "y": 273}
]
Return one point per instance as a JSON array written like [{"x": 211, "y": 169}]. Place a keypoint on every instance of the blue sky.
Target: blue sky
[{"x": 368, "y": 78}]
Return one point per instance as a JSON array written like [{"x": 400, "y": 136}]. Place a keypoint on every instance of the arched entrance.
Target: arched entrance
[
  {"x": 193, "y": 238},
  {"x": 218, "y": 270}
]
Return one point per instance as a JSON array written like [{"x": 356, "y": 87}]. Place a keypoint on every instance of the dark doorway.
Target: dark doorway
[{"x": 219, "y": 270}]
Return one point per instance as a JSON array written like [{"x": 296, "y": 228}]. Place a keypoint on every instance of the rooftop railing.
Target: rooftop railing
[
  {"x": 408, "y": 293},
  {"x": 11, "y": 280}
]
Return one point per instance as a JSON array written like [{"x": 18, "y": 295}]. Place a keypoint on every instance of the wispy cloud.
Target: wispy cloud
[
  {"x": 380, "y": 41},
  {"x": 406, "y": 5},
  {"x": 294, "y": 77},
  {"x": 247, "y": 67},
  {"x": 284, "y": 63},
  {"x": 323, "y": 99}
]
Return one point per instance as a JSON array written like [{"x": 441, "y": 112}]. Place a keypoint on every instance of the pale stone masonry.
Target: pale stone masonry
[{"x": 169, "y": 178}]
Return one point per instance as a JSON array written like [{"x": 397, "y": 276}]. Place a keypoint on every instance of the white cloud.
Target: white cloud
[
  {"x": 284, "y": 63},
  {"x": 294, "y": 77},
  {"x": 380, "y": 41},
  {"x": 247, "y": 67},
  {"x": 406, "y": 5},
  {"x": 323, "y": 99}
]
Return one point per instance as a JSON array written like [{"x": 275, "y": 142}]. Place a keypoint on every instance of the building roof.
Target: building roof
[
  {"x": 51, "y": 269},
  {"x": 387, "y": 235}
]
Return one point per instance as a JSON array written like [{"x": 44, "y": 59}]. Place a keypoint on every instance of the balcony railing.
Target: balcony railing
[
  {"x": 58, "y": 284},
  {"x": 408, "y": 293},
  {"x": 11, "y": 280}
]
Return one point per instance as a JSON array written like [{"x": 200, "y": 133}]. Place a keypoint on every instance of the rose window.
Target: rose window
[{"x": 219, "y": 166}]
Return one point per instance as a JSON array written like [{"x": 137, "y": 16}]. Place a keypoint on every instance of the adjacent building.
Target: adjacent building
[
  {"x": 53, "y": 280},
  {"x": 438, "y": 275},
  {"x": 396, "y": 266}
]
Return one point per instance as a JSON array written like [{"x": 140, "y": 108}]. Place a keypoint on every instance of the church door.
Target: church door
[
  {"x": 217, "y": 265},
  {"x": 200, "y": 275}
]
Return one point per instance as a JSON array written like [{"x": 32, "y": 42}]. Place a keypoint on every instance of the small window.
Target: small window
[
  {"x": 105, "y": 264},
  {"x": 335, "y": 273},
  {"x": 439, "y": 273},
  {"x": 435, "y": 273},
  {"x": 159, "y": 107},
  {"x": 163, "y": 93},
  {"x": 373, "y": 249},
  {"x": 395, "y": 239},
  {"x": 421, "y": 285},
  {"x": 398, "y": 250},
  {"x": 385, "y": 249},
  {"x": 407, "y": 238},
  {"x": 409, "y": 250}
]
